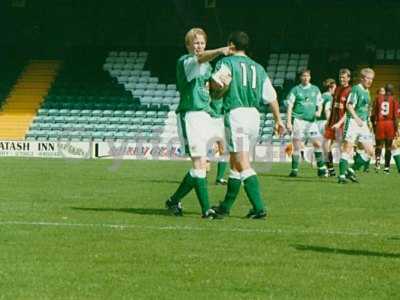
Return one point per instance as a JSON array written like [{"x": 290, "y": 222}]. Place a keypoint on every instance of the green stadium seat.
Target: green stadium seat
[
  {"x": 109, "y": 135},
  {"x": 130, "y": 135},
  {"x": 96, "y": 113},
  {"x": 137, "y": 120},
  {"x": 119, "y": 135},
  {"x": 43, "y": 112},
  {"x": 140, "y": 113}
]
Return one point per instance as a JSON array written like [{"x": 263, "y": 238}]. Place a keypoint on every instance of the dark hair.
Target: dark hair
[
  {"x": 240, "y": 40},
  {"x": 303, "y": 71},
  {"x": 328, "y": 83},
  {"x": 389, "y": 89}
]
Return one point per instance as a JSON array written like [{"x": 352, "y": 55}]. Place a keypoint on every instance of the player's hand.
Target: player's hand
[
  {"x": 289, "y": 126},
  {"x": 359, "y": 122},
  {"x": 227, "y": 50},
  {"x": 335, "y": 126},
  {"x": 280, "y": 128}
]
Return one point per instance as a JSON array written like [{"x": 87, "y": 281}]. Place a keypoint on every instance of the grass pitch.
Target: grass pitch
[{"x": 98, "y": 230}]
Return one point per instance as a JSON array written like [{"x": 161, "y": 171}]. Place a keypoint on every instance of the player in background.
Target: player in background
[
  {"x": 219, "y": 134},
  {"x": 327, "y": 97},
  {"x": 249, "y": 84},
  {"x": 396, "y": 142},
  {"x": 384, "y": 119},
  {"x": 193, "y": 113},
  {"x": 378, "y": 150},
  {"x": 304, "y": 105},
  {"x": 356, "y": 128},
  {"x": 337, "y": 116},
  {"x": 359, "y": 151}
]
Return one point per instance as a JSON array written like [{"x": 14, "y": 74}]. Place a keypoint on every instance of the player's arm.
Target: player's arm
[
  {"x": 342, "y": 119},
  {"x": 291, "y": 99},
  {"x": 374, "y": 113},
  {"x": 396, "y": 115},
  {"x": 350, "y": 108},
  {"x": 192, "y": 64},
  {"x": 209, "y": 55},
  {"x": 270, "y": 97},
  {"x": 327, "y": 109},
  {"x": 339, "y": 123},
  {"x": 319, "y": 105}
]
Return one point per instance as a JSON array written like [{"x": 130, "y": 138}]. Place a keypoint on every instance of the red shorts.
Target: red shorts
[
  {"x": 332, "y": 134},
  {"x": 385, "y": 130}
]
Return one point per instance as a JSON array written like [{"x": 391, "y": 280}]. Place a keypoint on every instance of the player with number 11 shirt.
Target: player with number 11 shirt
[{"x": 249, "y": 85}]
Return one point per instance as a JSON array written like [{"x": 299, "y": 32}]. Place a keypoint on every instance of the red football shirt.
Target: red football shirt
[
  {"x": 338, "y": 108},
  {"x": 386, "y": 108}
]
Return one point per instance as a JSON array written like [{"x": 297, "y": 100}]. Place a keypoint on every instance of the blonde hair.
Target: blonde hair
[
  {"x": 367, "y": 71},
  {"x": 191, "y": 35}
]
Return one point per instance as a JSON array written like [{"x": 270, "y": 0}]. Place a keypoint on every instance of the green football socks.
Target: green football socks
[
  {"x": 295, "y": 162},
  {"x": 200, "y": 186},
  {"x": 233, "y": 188},
  {"x": 221, "y": 167},
  {"x": 319, "y": 160},
  {"x": 359, "y": 161},
  {"x": 184, "y": 188},
  {"x": 396, "y": 157},
  {"x": 343, "y": 165},
  {"x": 252, "y": 188}
]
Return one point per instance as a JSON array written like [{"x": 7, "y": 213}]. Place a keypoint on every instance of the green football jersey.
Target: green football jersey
[
  {"x": 326, "y": 102},
  {"x": 360, "y": 98},
  {"x": 246, "y": 87},
  {"x": 192, "y": 83},
  {"x": 217, "y": 108},
  {"x": 305, "y": 100}
]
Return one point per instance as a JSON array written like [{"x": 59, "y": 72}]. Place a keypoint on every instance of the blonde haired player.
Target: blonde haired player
[
  {"x": 356, "y": 128},
  {"x": 194, "y": 120}
]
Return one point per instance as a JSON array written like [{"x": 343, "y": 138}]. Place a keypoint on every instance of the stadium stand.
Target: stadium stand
[
  {"x": 9, "y": 72},
  {"x": 85, "y": 103},
  {"x": 284, "y": 66},
  {"x": 388, "y": 55},
  {"x": 127, "y": 68},
  {"x": 25, "y": 97}
]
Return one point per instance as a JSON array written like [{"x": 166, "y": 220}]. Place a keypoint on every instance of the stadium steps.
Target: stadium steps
[
  {"x": 25, "y": 98},
  {"x": 386, "y": 74}
]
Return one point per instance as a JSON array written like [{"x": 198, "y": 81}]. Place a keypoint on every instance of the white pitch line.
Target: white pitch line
[{"x": 192, "y": 228}]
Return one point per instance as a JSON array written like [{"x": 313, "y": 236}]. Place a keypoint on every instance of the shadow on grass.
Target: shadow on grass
[
  {"x": 272, "y": 175},
  {"x": 157, "y": 181},
  {"x": 394, "y": 238},
  {"x": 312, "y": 180},
  {"x": 136, "y": 211},
  {"x": 300, "y": 178},
  {"x": 329, "y": 250}
]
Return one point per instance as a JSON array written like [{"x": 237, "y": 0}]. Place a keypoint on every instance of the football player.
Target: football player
[
  {"x": 194, "y": 120},
  {"x": 356, "y": 126},
  {"x": 334, "y": 126},
  {"x": 249, "y": 83},
  {"x": 304, "y": 105},
  {"x": 384, "y": 120}
]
